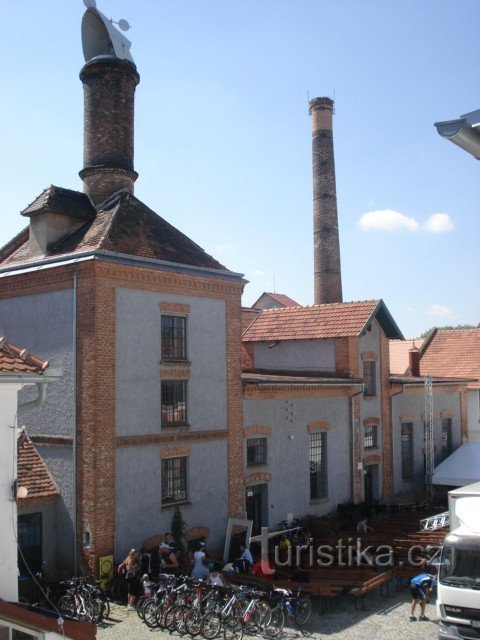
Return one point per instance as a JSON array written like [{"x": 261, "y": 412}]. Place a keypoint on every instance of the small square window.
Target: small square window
[
  {"x": 174, "y": 480},
  {"x": 256, "y": 452},
  {"x": 174, "y": 402},
  {"x": 369, "y": 378},
  {"x": 174, "y": 338},
  {"x": 370, "y": 436}
]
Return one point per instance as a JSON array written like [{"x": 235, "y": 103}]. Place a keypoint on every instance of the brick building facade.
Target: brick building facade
[{"x": 154, "y": 411}]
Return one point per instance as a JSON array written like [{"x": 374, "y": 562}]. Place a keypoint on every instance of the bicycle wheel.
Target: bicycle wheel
[
  {"x": 277, "y": 622},
  {"x": 211, "y": 625},
  {"x": 65, "y": 606},
  {"x": 169, "y": 618},
  {"x": 106, "y": 605},
  {"x": 193, "y": 622},
  {"x": 180, "y": 613},
  {"x": 261, "y": 615},
  {"x": 149, "y": 614},
  {"x": 92, "y": 610},
  {"x": 233, "y": 629},
  {"x": 141, "y": 602},
  {"x": 302, "y": 611}
]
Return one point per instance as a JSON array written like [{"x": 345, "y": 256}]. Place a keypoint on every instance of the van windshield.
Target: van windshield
[{"x": 460, "y": 565}]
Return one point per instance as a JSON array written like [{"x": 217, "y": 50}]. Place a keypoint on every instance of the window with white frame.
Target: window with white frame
[
  {"x": 370, "y": 436},
  {"x": 174, "y": 480},
  {"x": 174, "y": 403}
]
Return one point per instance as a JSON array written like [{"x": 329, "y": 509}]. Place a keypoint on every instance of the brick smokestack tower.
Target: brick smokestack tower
[
  {"x": 109, "y": 91},
  {"x": 326, "y": 252}
]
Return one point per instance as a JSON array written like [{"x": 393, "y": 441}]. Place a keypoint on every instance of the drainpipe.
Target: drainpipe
[
  {"x": 39, "y": 400},
  {"x": 352, "y": 452},
  {"x": 392, "y": 476},
  {"x": 74, "y": 448}
]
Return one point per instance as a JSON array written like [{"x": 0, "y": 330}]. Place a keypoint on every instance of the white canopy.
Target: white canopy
[{"x": 460, "y": 468}]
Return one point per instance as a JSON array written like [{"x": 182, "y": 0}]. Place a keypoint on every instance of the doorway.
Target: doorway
[
  {"x": 371, "y": 483},
  {"x": 256, "y": 498},
  {"x": 30, "y": 542}
]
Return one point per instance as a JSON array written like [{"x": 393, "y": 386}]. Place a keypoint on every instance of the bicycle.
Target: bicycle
[{"x": 295, "y": 607}]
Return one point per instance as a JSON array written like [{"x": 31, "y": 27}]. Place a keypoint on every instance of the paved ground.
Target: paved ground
[{"x": 385, "y": 619}]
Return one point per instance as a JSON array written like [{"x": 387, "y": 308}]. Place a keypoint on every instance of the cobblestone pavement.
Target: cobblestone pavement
[{"x": 383, "y": 619}]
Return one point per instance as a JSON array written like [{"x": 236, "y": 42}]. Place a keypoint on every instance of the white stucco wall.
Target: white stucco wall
[
  {"x": 288, "y": 457},
  {"x": 473, "y": 399},
  {"x": 295, "y": 355},
  {"x": 8, "y": 509}
]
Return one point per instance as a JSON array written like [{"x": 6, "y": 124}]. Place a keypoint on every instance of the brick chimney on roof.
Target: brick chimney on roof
[
  {"x": 326, "y": 251},
  {"x": 109, "y": 91}
]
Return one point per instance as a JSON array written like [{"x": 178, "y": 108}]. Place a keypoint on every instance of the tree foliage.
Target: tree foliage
[{"x": 448, "y": 327}]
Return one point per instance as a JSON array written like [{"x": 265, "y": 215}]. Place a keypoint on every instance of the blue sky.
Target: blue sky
[{"x": 223, "y": 143}]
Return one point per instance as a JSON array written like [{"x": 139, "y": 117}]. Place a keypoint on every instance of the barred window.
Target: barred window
[
  {"x": 407, "y": 450},
  {"x": 370, "y": 436},
  {"x": 174, "y": 402},
  {"x": 446, "y": 437},
  {"x": 174, "y": 338},
  {"x": 256, "y": 451},
  {"x": 369, "y": 374},
  {"x": 174, "y": 480},
  {"x": 318, "y": 465}
]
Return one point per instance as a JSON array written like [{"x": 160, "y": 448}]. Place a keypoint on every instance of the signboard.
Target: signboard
[{"x": 105, "y": 570}]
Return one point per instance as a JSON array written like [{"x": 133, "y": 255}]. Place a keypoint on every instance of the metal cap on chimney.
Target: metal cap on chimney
[
  {"x": 109, "y": 79},
  {"x": 327, "y": 270}
]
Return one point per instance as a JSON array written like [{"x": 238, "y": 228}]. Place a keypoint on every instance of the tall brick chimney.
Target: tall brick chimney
[
  {"x": 109, "y": 91},
  {"x": 326, "y": 251}
]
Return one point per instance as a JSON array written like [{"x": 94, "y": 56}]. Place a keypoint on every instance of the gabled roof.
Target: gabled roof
[
  {"x": 32, "y": 472},
  {"x": 64, "y": 201},
  {"x": 122, "y": 225},
  {"x": 280, "y": 298},
  {"x": 452, "y": 352},
  {"x": 336, "y": 320},
  {"x": 15, "y": 359},
  {"x": 399, "y": 350}
]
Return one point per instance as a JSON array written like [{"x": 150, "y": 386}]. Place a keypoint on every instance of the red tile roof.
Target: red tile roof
[
  {"x": 452, "y": 352},
  {"x": 319, "y": 321},
  {"x": 399, "y": 362},
  {"x": 124, "y": 225},
  {"x": 248, "y": 315},
  {"x": 32, "y": 472},
  {"x": 15, "y": 359},
  {"x": 281, "y": 298}
]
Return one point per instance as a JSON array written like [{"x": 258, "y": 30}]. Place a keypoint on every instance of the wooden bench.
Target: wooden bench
[{"x": 382, "y": 580}]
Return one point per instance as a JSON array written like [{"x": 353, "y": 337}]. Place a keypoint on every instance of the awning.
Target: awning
[{"x": 460, "y": 468}]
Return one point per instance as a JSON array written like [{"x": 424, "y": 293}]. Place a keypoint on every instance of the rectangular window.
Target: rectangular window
[
  {"x": 318, "y": 465},
  {"x": 407, "y": 450},
  {"x": 174, "y": 338},
  {"x": 369, "y": 371},
  {"x": 446, "y": 437},
  {"x": 174, "y": 480},
  {"x": 174, "y": 402},
  {"x": 256, "y": 451},
  {"x": 370, "y": 436}
]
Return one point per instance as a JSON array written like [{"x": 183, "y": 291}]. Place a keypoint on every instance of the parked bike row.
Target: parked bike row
[
  {"x": 84, "y": 600},
  {"x": 199, "y": 609}
]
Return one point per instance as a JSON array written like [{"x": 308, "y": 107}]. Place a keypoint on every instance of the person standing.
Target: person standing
[
  {"x": 132, "y": 563},
  {"x": 420, "y": 587}
]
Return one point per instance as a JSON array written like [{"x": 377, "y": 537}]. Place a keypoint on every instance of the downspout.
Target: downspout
[
  {"x": 392, "y": 477},
  {"x": 74, "y": 419},
  {"x": 352, "y": 451},
  {"x": 39, "y": 400}
]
